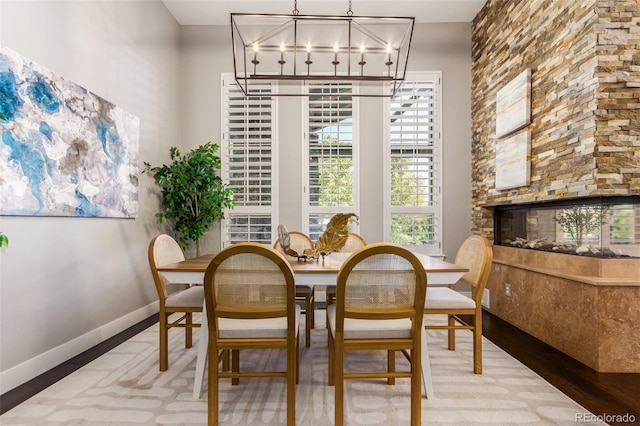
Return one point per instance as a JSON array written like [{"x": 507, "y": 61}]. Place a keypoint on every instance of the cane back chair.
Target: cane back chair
[
  {"x": 476, "y": 254},
  {"x": 379, "y": 302},
  {"x": 164, "y": 250},
  {"x": 250, "y": 297},
  {"x": 299, "y": 242},
  {"x": 354, "y": 242}
]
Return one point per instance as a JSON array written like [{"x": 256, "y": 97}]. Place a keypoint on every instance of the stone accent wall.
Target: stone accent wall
[
  {"x": 618, "y": 96},
  {"x": 584, "y": 57}
]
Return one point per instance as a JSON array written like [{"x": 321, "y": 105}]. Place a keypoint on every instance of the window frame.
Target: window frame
[
  {"x": 437, "y": 210},
  {"x": 307, "y": 209},
  {"x": 249, "y": 210}
]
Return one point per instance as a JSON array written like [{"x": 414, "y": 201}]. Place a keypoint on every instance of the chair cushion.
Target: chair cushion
[
  {"x": 446, "y": 298},
  {"x": 192, "y": 297},
  {"x": 256, "y": 328},
  {"x": 370, "y": 329}
]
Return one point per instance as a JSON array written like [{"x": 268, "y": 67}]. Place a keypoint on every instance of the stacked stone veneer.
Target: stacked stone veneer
[{"x": 585, "y": 98}]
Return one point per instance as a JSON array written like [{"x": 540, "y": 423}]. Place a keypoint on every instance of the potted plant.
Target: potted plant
[
  {"x": 193, "y": 194},
  {"x": 578, "y": 222},
  {"x": 4, "y": 241}
]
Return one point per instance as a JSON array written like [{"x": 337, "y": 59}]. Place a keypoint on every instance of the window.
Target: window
[
  {"x": 331, "y": 170},
  {"x": 624, "y": 224},
  {"x": 248, "y": 163},
  {"x": 414, "y": 206}
]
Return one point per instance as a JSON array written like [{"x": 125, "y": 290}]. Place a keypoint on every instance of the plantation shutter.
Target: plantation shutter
[
  {"x": 249, "y": 163},
  {"x": 331, "y": 184},
  {"x": 415, "y": 163}
]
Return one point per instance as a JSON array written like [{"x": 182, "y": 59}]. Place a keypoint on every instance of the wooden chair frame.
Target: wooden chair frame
[
  {"x": 304, "y": 291},
  {"x": 218, "y": 345},
  {"x": 186, "y": 319},
  {"x": 476, "y": 254},
  {"x": 338, "y": 344},
  {"x": 354, "y": 242}
]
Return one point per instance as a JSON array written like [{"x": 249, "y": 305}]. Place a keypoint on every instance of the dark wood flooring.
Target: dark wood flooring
[
  {"x": 25, "y": 391},
  {"x": 600, "y": 393}
]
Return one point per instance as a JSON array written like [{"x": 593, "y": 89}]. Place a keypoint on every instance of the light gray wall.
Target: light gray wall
[
  {"x": 67, "y": 284},
  {"x": 436, "y": 47}
]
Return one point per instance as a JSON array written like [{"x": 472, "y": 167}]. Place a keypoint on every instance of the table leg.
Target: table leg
[
  {"x": 426, "y": 367},
  {"x": 202, "y": 354}
]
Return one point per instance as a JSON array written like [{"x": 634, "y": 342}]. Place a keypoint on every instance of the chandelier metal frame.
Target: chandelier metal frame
[{"x": 286, "y": 48}]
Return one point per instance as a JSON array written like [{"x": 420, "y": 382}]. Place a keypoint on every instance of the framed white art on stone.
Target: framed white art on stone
[
  {"x": 513, "y": 104},
  {"x": 513, "y": 161},
  {"x": 513, "y": 150}
]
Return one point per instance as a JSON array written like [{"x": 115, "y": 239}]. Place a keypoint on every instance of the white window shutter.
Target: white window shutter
[{"x": 249, "y": 163}]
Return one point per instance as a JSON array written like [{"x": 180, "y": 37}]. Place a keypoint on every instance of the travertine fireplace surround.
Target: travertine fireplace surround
[
  {"x": 584, "y": 58},
  {"x": 586, "y": 307}
]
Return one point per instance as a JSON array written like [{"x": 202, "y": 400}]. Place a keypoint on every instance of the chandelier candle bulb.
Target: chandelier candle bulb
[
  {"x": 335, "y": 59},
  {"x": 255, "y": 54},
  {"x": 308, "y": 61},
  {"x": 282, "y": 61}
]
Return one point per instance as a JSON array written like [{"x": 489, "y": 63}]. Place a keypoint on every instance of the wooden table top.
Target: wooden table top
[{"x": 331, "y": 263}]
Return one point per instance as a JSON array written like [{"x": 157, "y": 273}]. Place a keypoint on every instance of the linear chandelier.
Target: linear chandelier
[{"x": 293, "y": 49}]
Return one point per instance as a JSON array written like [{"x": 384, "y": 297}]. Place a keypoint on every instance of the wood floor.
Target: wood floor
[{"x": 599, "y": 393}]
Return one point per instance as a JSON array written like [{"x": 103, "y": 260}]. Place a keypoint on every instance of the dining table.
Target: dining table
[{"x": 311, "y": 272}]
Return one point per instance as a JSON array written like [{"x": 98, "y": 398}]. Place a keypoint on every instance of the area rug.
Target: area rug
[{"x": 124, "y": 387}]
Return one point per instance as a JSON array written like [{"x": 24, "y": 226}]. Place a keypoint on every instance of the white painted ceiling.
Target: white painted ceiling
[{"x": 216, "y": 12}]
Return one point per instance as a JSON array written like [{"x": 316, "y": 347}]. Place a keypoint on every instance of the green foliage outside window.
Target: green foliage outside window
[
  {"x": 411, "y": 186},
  {"x": 412, "y": 229},
  {"x": 622, "y": 223},
  {"x": 335, "y": 182}
]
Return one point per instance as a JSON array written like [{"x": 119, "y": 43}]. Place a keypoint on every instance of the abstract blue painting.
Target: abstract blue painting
[{"x": 63, "y": 150}]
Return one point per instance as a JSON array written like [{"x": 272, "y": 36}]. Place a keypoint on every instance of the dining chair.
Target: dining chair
[
  {"x": 299, "y": 242},
  {"x": 250, "y": 299},
  {"x": 164, "y": 250},
  {"x": 354, "y": 242},
  {"x": 476, "y": 254},
  {"x": 379, "y": 302}
]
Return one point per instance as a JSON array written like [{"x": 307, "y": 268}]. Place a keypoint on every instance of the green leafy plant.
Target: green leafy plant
[
  {"x": 193, "y": 194},
  {"x": 4, "y": 240}
]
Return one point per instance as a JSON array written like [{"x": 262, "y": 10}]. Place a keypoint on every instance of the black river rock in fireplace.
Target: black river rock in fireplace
[{"x": 607, "y": 227}]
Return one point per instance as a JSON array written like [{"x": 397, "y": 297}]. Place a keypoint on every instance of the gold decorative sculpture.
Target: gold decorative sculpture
[
  {"x": 335, "y": 236},
  {"x": 332, "y": 239}
]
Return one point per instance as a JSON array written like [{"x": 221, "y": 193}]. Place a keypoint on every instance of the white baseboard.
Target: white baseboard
[{"x": 22, "y": 373}]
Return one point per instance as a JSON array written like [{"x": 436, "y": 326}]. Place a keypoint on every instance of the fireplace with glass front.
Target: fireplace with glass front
[{"x": 568, "y": 273}]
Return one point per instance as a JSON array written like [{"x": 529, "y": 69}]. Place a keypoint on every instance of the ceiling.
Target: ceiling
[{"x": 216, "y": 12}]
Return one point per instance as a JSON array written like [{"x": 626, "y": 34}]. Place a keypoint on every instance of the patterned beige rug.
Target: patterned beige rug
[{"x": 124, "y": 387}]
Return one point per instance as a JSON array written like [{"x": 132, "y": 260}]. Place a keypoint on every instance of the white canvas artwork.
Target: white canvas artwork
[
  {"x": 64, "y": 151},
  {"x": 513, "y": 104},
  {"x": 513, "y": 161}
]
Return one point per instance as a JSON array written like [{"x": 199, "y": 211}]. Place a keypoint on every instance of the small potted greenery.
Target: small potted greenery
[
  {"x": 193, "y": 194},
  {"x": 578, "y": 222},
  {"x": 4, "y": 240}
]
